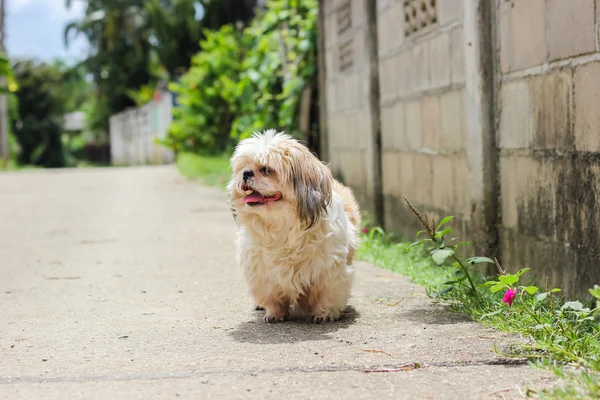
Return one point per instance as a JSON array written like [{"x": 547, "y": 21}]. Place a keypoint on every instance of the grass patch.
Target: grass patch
[
  {"x": 12, "y": 166},
  {"x": 563, "y": 336},
  {"x": 211, "y": 170}
]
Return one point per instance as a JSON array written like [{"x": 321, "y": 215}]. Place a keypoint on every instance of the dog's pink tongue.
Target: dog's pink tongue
[{"x": 253, "y": 198}]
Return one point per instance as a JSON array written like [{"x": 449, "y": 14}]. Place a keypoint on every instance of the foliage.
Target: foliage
[
  {"x": 8, "y": 87},
  {"x": 246, "y": 81},
  {"x": 76, "y": 88},
  {"x": 13, "y": 115},
  {"x": 222, "y": 12},
  {"x": 135, "y": 43},
  {"x": 119, "y": 53},
  {"x": 280, "y": 64},
  {"x": 203, "y": 118},
  {"x": 212, "y": 171},
  {"x": 564, "y": 335},
  {"x": 38, "y": 125},
  {"x": 176, "y": 32},
  {"x": 8, "y": 84}
]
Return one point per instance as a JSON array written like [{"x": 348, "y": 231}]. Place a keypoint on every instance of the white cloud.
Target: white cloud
[
  {"x": 35, "y": 28},
  {"x": 17, "y": 5}
]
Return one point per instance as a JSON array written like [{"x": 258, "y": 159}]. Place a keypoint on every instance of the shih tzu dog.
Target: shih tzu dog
[{"x": 297, "y": 228}]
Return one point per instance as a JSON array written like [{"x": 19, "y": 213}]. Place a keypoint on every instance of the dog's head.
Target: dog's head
[{"x": 274, "y": 174}]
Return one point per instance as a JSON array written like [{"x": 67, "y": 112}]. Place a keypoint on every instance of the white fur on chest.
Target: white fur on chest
[{"x": 283, "y": 256}]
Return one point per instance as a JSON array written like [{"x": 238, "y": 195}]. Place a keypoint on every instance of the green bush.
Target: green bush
[
  {"x": 38, "y": 125},
  {"x": 247, "y": 80},
  {"x": 203, "y": 119}
]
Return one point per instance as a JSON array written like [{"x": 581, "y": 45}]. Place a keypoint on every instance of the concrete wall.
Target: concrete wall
[
  {"x": 349, "y": 115},
  {"x": 423, "y": 119},
  {"x": 132, "y": 134},
  {"x": 488, "y": 112},
  {"x": 549, "y": 138}
]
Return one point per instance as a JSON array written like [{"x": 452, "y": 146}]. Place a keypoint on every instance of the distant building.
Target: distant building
[{"x": 74, "y": 122}]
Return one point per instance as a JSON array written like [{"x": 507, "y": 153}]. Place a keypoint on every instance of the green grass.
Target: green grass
[
  {"x": 14, "y": 166},
  {"x": 560, "y": 338},
  {"x": 210, "y": 170}
]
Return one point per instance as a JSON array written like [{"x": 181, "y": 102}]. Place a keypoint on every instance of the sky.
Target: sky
[{"x": 35, "y": 29}]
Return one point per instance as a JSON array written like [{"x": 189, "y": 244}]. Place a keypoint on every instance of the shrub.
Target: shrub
[
  {"x": 203, "y": 119},
  {"x": 38, "y": 125},
  {"x": 247, "y": 80}
]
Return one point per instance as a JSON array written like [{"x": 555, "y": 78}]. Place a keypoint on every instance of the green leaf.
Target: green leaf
[
  {"x": 497, "y": 287},
  {"x": 541, "y": 296},
  {"x": 491, "y": 314},
  {"x": 417, "y": 243},
  {"x": 521, "y": 272},
  {"x": 508, "y": 279},
  {"x": 419, "y": 233},
  {"x": 463, "y": 244},
  {"x": 531, "y": 289},
  {"x": 479, "y": 260},
  {"x": 445, "y": 291},
  {"x": 555, "y": 290},
  {"x": 595, "y": 292},
  {"x": 454, "y": 282},
  {"x": 446, "y": 231},
  {"x": 441, "y": 255},
  {"x": 444, "y": 222},
  {"x": 573, "y": 305}
]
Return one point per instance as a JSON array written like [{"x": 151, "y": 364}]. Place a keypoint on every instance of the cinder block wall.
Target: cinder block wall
[
  {"x": 422, "y": 81},
  {"x": 548, "y": 136},
  {"x": 490, "y": 111},
  {"x": 348, "y": 85}
]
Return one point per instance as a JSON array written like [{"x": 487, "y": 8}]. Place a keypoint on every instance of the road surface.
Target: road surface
[{"x": 122, "y": 283}]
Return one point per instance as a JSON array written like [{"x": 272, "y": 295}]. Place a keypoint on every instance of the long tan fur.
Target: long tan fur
[{"x": 295, "y": 252}]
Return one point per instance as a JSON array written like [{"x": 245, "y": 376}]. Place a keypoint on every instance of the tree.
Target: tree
[
  {"x": 176, "y": 32},
  {"x": 38, "y": 125},
  {"x": 128, "y": 38},
  {"x": 120, "y": 52},
  {"x": 76, "y": 88}
]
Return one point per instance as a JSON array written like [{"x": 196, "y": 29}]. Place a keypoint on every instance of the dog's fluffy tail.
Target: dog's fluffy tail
[{"x": 350, "y": 204}]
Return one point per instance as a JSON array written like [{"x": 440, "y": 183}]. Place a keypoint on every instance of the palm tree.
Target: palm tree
[{"x": 120, "y": 51}]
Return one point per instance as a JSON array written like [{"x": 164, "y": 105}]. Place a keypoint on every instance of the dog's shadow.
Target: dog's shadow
[{"x": 295, "y": 330}]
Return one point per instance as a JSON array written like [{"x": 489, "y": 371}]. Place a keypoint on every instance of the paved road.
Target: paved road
[{"x": 121, "y": 284}]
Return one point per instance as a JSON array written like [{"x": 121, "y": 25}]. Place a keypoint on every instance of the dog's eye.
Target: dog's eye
[{"x": 265, "y": 171}]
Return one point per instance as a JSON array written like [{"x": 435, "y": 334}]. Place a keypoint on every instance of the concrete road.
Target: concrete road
[{"x": 122, "y": 284}]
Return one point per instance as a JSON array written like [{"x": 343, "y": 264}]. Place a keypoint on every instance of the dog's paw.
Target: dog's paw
[
  {"x": 319, "y": 319},
  {"x": 258, "y": 308},
  {"x": 269, "y": 319}
]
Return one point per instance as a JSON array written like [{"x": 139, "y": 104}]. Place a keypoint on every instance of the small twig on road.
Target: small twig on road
[
  {"x": 401, "y": 368},
  {"x": 377, "y": 351},
  {"x": 396, "y": 303},
  {"x": 497, "y": 393}
]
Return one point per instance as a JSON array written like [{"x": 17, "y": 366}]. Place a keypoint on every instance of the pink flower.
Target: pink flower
[
  {"x": 365, "y": 230},
  {"x": 509, "y": 296}
]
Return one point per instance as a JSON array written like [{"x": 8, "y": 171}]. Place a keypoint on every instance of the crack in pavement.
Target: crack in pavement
[{"x": 385, "y": 368}]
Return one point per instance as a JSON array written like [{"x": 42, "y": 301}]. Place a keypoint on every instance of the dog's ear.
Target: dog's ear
[
  {"x": 312, "y": 183},
  {"x": 232, "y": 209},
  {"x": 230, "y": 200}
]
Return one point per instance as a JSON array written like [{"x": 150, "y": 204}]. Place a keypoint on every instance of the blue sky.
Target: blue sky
[{"x": 35, "y": 29}]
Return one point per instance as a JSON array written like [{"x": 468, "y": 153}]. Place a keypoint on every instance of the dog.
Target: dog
[{"x": 297, "y": 228}]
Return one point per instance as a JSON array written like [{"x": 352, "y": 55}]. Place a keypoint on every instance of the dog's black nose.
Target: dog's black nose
[{"x": 248, "y": 174}]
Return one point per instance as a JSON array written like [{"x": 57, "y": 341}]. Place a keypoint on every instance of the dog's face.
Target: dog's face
[{"x": 273, "y": 174}]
